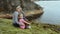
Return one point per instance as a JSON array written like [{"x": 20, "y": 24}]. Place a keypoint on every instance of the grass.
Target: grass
[{"x": 6, "y": 27}]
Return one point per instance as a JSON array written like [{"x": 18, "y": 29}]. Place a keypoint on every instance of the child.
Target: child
[{"x": 22, "y": 22}]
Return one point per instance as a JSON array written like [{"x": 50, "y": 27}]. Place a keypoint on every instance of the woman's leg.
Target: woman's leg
[{"x": 15, "y": 25}]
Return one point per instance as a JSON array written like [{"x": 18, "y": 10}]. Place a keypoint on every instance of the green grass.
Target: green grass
[{"x": 6, "y": 27}]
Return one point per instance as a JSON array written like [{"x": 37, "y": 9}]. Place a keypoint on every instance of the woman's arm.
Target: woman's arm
[{"x": 16, "y": 17}]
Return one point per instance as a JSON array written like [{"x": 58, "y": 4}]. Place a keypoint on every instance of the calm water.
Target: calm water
[{"x": 51, "y": 12}]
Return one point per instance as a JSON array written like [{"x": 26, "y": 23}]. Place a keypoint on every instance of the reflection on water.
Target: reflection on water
[{"x": 51, "y": 12}]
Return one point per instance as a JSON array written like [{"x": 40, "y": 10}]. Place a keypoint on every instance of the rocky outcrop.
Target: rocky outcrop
[
  {"x": 31, "y": 9},
  {"x": 30, "y": 15},
  {"x": 9, "y": 5}
]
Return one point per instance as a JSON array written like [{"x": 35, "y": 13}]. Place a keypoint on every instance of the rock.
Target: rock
[
  {"x": 10, "y": 5},
  {"x": 31, "y": 9},
  {"x": 28, "y": 15}
]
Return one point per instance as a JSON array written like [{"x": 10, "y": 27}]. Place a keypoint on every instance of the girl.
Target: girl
[{"x": 22, "y": 22}]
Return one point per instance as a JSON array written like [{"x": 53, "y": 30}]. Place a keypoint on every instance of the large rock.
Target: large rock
[
  {"x": 30, "y": 15},
  {"x": 9, "y": 5},
  {"x": 31, "y": 9}
]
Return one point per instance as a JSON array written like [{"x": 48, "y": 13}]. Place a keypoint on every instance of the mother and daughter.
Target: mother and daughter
[{"x": 19, "y": 19}]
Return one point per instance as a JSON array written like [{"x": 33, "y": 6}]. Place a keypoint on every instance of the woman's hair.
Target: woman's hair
[{"x": 18, "y": 7}]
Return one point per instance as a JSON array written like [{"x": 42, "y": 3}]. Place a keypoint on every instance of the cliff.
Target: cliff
[{"x": 29, "y": 7}]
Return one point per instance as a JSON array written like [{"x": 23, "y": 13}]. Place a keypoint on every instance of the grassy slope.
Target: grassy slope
[{"x": 7, "y": 28}]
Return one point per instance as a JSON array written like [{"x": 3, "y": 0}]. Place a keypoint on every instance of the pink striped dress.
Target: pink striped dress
[{"x": 22, "y": 25}]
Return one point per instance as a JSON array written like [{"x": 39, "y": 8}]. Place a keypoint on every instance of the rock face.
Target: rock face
[
  {"x": 29, "y": 7},
  {"x": 9, "y": 5},
  {"x": 30, "y": 15}
]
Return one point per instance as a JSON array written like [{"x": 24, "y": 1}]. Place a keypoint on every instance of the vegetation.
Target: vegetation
[{"x": 6, "y": 27}]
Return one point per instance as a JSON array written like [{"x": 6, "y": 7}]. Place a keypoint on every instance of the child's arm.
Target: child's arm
[{"x": 25, "y": 22}]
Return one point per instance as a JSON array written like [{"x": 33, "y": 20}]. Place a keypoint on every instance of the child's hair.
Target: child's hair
[{"x": 19, "y": 16}]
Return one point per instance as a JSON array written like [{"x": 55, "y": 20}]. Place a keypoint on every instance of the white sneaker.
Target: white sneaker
[{"x": 29, "y": 26}]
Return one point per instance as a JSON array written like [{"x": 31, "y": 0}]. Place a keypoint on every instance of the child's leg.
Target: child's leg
[
  {"x": 22, "y": 26},
  {"x": 27, "y": 26}
]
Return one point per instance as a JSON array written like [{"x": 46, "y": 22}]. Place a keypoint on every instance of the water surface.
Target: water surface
[{"x": 51, "y": 12}]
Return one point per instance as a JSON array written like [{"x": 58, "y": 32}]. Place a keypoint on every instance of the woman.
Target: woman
[{"x": 15, "y": 16}]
